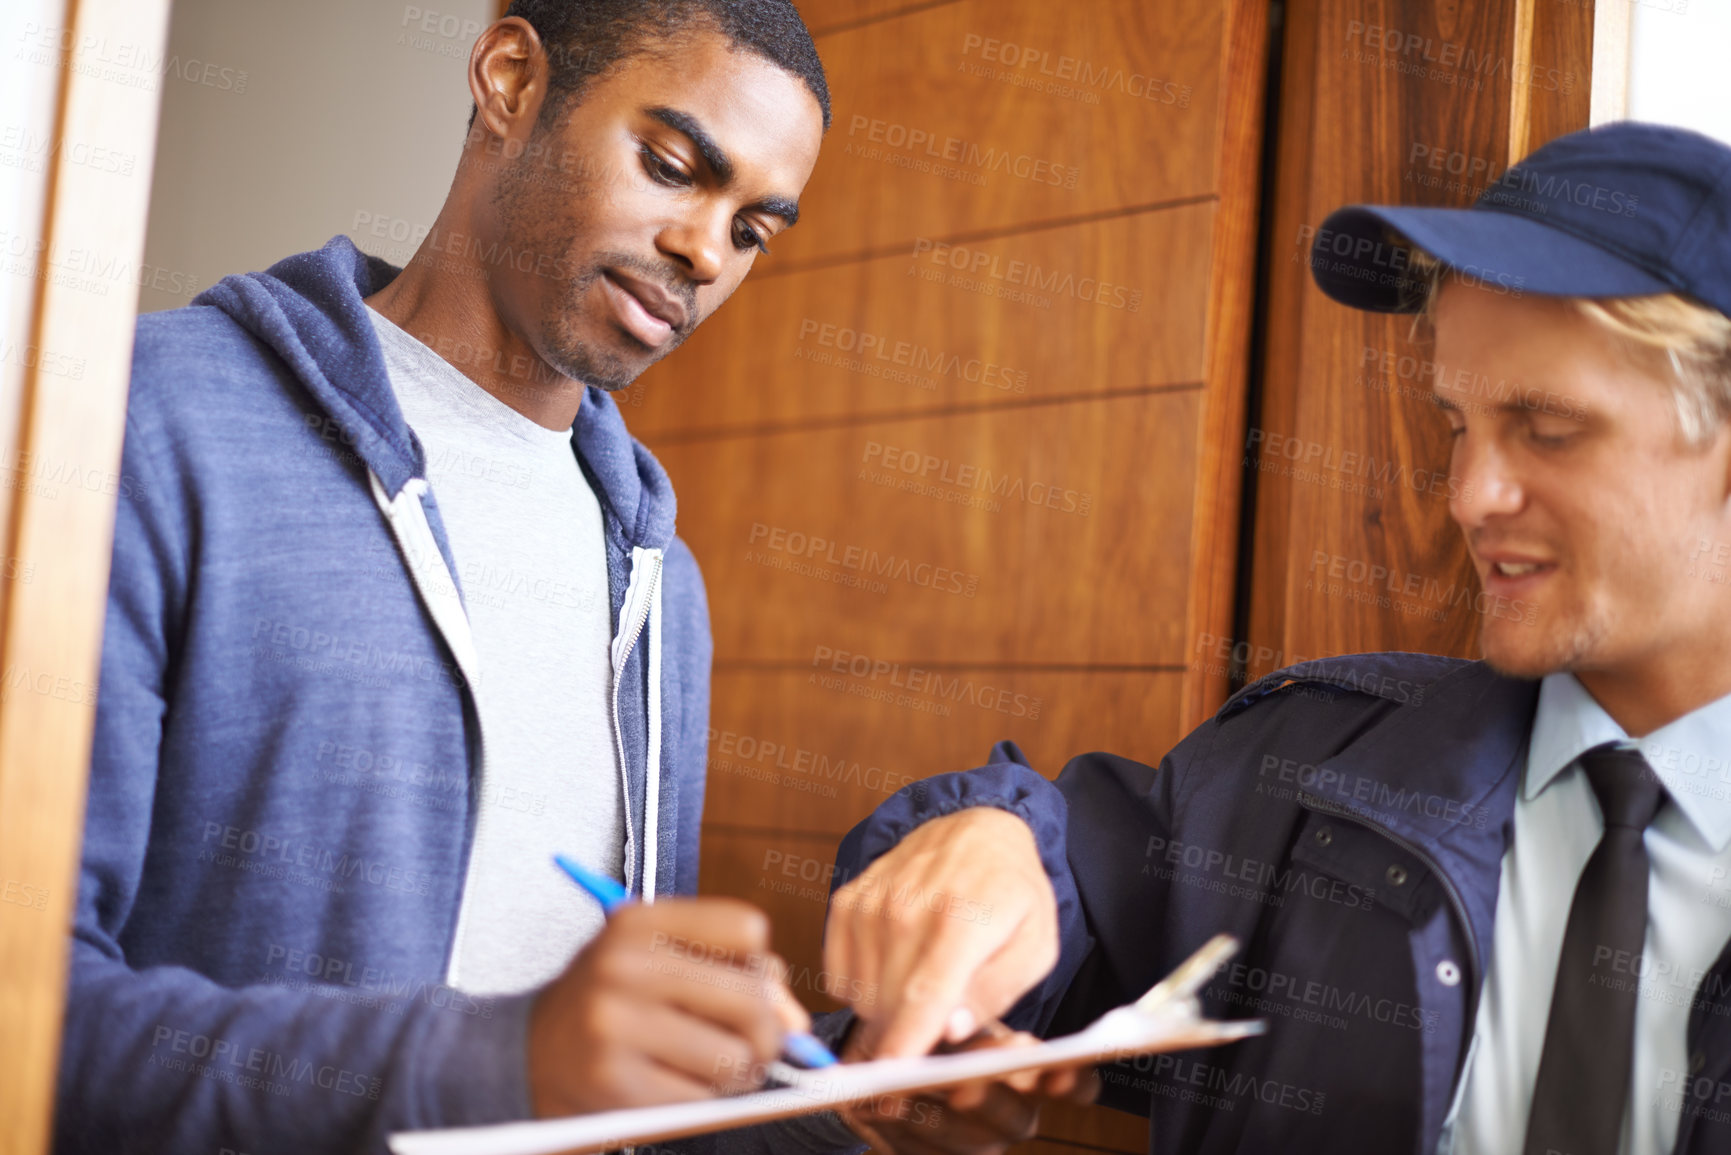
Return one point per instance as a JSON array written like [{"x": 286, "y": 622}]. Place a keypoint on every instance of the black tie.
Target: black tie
[{"x": 1583, "y": 1081}]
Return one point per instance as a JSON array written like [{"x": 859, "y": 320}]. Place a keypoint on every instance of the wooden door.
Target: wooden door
[{"x": 959, "y": 459}]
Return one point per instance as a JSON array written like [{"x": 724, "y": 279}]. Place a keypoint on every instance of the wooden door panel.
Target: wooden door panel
[
  {"x": 978, "y": 115},
  {"x": 817, "y": 747},
  {"x": 1035, "y": 534},
  {"x": 733, "y": 866},
  {"x": 1083, "y": 309},
  {"x": 1563, "y": 40}
]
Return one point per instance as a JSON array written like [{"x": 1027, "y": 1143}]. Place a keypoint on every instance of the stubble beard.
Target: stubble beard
[
  {"x": 570, "y": 354},
  {"x": 1569, "y": 647},
  {"x": 529, "y": 220},
  {"x": 528, "y": 216}
]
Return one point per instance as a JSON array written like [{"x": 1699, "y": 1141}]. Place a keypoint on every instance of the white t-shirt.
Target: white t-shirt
[{"x": 525, "y": 530}]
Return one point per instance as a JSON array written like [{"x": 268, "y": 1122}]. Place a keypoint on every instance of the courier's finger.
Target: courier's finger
[
  {"x": 847, "y": 955},
  {"x": 926, "y": 983},
  {"x": 1025, "y": 956}
]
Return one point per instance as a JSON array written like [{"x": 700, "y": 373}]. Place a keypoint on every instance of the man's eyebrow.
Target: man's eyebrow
[
  {"x": 781, "y": 207},
  {"x": 719, "y": 162},
  {"x": 687, "y": 125}
]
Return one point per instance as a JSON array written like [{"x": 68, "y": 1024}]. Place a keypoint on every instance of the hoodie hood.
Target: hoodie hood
[{"x": 310, "y": 310}]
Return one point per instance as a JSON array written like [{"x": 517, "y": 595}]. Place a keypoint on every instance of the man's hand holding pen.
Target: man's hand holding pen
[{"x": 674, "y": 1001}]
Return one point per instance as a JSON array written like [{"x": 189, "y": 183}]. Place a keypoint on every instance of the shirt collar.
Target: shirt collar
[{"x": 1691, "y": 756}]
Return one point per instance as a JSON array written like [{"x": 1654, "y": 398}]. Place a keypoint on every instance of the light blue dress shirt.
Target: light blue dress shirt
[{"x": 1557, "y": 826}]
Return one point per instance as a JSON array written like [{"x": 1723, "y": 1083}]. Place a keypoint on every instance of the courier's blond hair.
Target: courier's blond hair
[{"x": 1691, "y": 340}]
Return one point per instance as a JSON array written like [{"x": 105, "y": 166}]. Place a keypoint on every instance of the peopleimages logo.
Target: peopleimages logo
[
  {"x": 251, "y": 848},
  {"x": 130, "y": 65},
  {"x": 1278, "y": 992},
  {"x": 269, "y": 635},
  {"x": 1371, "y": 794},
  {"x": 1389, "y": 585},
  {"x": 922, "y": 469},
  {"x": 1412, "y": 53},
  {"x": 812, "y": 550},
  {"x": 85, "y": 269},
  {"x": 1070, "y": 75},
  {"x": 956, "y": 688},
  {"x": 1495, "y": 395},
  {"x": 29, "y": 151},
  {"x": 1525, "y": 189},
  {"x": 1306, "y": 460},
  {"x": 1263, "y": 882},
  {"x": 984, "y": 266},
  {"x": 927, "y": 147},
  {"x": 1387, "y": 263},
  {"x": 732, "y": 750},
  {"x": 213, "y": 1056},
  {"x": 327, "y": 970},
  {"x": 911, "y": 356}
]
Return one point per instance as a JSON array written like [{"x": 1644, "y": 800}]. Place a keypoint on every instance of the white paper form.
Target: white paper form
[{"x": 1167, "y": 1018}]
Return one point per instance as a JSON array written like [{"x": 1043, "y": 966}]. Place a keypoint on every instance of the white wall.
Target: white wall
[
  {"x": 1680, "y": 63},
  {"x": 26, "y": 155},
  {"x": 285, "y": 121}
]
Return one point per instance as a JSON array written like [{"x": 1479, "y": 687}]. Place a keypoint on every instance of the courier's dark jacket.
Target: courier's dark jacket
[{"x": 1346, "y": 819}]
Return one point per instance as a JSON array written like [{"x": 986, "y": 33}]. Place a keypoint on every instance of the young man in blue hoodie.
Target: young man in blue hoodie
[{"x": 399, "y": 613}]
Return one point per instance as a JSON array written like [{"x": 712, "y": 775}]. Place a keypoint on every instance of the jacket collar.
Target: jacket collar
[
  {"x": 1442, "y": 775},
  {"x": 1426, "y": 771}
]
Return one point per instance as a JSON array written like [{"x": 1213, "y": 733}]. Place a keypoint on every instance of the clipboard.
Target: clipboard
[{"x": 1167, "y": 1018}]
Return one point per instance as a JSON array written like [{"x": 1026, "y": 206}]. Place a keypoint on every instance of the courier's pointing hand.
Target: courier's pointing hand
[{"x": 949, "y": 929}]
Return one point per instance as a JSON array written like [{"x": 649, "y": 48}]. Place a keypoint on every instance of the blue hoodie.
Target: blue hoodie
[{"x": 282, "y": 782}]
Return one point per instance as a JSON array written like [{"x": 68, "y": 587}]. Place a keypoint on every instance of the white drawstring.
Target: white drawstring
[
  {"x": 414, "y": 535},
  {"x": 652, "y": 780},
  {"x": 431, "y": 576}
]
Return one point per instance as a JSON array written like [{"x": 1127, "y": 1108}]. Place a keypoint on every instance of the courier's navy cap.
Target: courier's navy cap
[{"x": 1624, "y": 210}]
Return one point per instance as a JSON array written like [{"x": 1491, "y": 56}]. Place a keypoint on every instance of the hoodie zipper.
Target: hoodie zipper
[
  {"x": 633, "y": 616},
  {"x": 1321, "y": 806}
]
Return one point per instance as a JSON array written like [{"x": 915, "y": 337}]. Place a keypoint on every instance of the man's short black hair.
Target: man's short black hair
[{"x": 585, "y": 38}]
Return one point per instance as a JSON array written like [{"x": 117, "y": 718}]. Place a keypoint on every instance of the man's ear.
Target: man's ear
[{"x": 508, "y": 79}]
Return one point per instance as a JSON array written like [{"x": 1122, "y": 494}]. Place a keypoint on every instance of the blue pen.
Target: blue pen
[{"x": 801, "y": 1048}]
